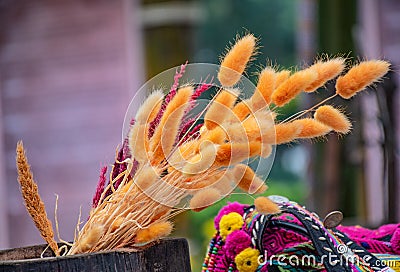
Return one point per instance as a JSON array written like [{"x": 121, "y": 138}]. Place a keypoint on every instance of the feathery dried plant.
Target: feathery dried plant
[
  {"x": 33, "y": 203},
  {"x": 169, "y": 159}
]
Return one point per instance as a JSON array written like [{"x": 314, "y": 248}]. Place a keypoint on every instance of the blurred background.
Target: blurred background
[{"x": 68, "y": 70}]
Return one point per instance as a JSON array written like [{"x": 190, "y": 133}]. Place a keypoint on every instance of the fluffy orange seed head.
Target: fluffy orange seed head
[
  {"x": 220, "y": 108},
  {"x": 333, "y": 118},
  {"x": 204, "y": 198},
  {"x": 256, "y": 124},
  {"x": 265, "y": 205},
  {"x": 247, "y": 180},
  {"x": 266, "y": 150},
  {"x": 326, "y": 71},
  {"x": 283, "y": 133},
  {"x": 182, "y": 154},
  {"x": 265, "y": 86},
  {"x": 235, "y": 61},
  {"x": 153, "y": 232},
  {"x": 138, "y": 142},
  {"x": 150, "y": 107},
  {"x": 224, "y": 184},
  {"x": 161, "y": 142},
  {"x": 235, "y": 132},
  {"x": 290, "y": 88},
  {"x": 232, "y": 153},
  {"x": 360, "y": 76},
  {"x": 281, "y": 77},
  {"x": 146, "y": 177},
  {"x": 216, "y": 135},
  {"x": 201, "y": 162},
  {"x": 311, "y": 128},
  {"x": 242, "y": 109}
]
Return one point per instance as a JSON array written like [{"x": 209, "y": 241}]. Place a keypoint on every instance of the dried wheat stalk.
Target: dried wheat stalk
[{"x": 33, "y": 203}]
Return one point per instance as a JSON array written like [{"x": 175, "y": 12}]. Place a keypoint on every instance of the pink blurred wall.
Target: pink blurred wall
[{"x": 67, "y": 72}]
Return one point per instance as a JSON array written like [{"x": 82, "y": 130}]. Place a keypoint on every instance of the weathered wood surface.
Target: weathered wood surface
[{"x": 168, "y": 255}]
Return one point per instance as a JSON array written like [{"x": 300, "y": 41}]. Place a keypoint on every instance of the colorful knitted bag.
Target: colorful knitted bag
[{"x": 297, "y": 240}]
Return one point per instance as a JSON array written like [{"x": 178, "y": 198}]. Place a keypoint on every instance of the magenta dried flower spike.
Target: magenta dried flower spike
[
  {"x": 168, "y": 98},
  {"x": 100, "y": 187}
]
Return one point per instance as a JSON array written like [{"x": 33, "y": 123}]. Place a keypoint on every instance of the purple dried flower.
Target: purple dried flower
[
  {"x": 183, "y": 130},
  {"x": 168, "y": 98},
  {"x": 201, "y": 89},
  {"x": 100, "y": 187},
  {"x": 192, "y": 134}
]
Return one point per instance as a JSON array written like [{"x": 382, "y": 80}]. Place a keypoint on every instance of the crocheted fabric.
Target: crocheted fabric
[{"x": 237, "y": 249}]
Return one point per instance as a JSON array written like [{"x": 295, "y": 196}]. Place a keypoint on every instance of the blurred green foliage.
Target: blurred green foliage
[{"x": 272, "y": 21}]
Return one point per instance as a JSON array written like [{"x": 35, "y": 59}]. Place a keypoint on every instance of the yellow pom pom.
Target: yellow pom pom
[
  {"x": 247, "y": 260},
  {"x": 153, "y": 232},
  {"x": 333, "y": 118},
  {"x": 235, "y": 61},
  {"x": 265, "y": 205},
  {"x": 229, "y": 223},
  {"x": 361, "y": 76}
]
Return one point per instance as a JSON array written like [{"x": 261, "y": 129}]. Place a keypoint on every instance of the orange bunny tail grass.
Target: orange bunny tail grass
[
  {"x": 333, "y": 118},
  {"x": 265, "y": 86},
  {"x": 201, "y": 162},
  {"x": 265, "y": 205},
  {"x": 290, "y": 88},
  {"x": 235, "y": 61},
  {"x": 138, "y": 142},
  {"x": 161, "y": 142},
  {"x": 283, "y": 133},
  {"x": 311, "y": 128},
  {"x": 153, "y": 232},
  {"x": 146, "y": 177},
  {"x": 281, "y": 77},
  {"x": 33, "y": 203},
  {"x": 242, "y": 109},
  {"x": 326, "y": 71},
  {"x": 204, "y": 198},
  {"x": 360, "y": 76},
  {"x": 216, "y": 135},
  {"x": 220, "y": 108},
  {"x": 266, "y": 150},
  {"x": 224, "y": 184},
  {"x": 232, "y": 153},
  {"x": 150, "y": 107},
  {"x": 248, "y": 181}
]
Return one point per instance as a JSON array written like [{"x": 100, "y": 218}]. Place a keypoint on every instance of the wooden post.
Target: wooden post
[{"x": 168, "y": 255}]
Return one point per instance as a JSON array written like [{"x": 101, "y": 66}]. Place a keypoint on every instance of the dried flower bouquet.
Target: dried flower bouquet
[{"x": 171, "y": 162}]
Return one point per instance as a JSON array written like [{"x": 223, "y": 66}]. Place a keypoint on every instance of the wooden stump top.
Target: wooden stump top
[{"x": 171, "y": 254}]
